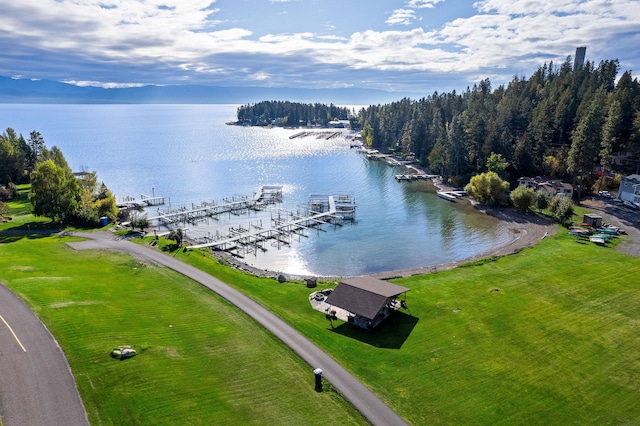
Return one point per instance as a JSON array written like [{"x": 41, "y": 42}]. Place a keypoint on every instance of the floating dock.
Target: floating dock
[
  {"x": 137, "y": 203},
  {"x": 321, "y": 210},
  {"x": 317, "y": 135},
  {"x": 451, "y": 195},
  {"x": 413, "y": 176},
  {"x": 268, "y": 195}
]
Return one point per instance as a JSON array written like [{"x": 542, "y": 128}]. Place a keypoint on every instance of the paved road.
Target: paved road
[
  {"x": 371, "y": 407},
  {"x": 36, "y": 384}
]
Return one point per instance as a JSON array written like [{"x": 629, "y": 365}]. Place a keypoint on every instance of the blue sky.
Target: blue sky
[{"x": 406, "y": 46}]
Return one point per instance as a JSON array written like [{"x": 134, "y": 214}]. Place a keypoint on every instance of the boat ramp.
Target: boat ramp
[
  {"x": 268, "y": 195},
  {"x": 321, "y": 210}
]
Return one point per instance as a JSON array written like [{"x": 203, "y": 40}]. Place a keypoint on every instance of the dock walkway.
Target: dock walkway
[
  {"x": 269, "y": 194},
  {"x": 322, "y": 210},
  {"x": 143, "y": 201}
]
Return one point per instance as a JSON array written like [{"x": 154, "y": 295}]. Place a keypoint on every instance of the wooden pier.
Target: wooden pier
[
  {"x": 316, "y": 134},
  {"x": 413, "y": 176},
  {"x": 321, "y": 210},
  {"x": 143, "y": 201},
  {"x": 268, "y": 195}
]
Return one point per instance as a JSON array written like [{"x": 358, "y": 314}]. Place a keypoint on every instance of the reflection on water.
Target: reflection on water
[{"x": 187, "y": 154}]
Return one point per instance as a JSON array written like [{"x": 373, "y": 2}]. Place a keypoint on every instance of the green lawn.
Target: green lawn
[
  {"x": 550, "y": 335},
  {"x": 200, "y": 360}
]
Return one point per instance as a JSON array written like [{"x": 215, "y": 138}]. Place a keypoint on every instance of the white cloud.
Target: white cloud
[
  {"x": 421, "y": 4},
  {"x": 402, "y": 17},
  {"x": 181, "y": 41},
  {"x": 105, "y": 85},
  {"x": 260, "y": 76}
]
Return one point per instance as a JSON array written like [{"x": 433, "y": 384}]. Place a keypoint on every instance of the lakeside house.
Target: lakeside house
[
  {"x": 367, "y": 301},
  {"x": 552, "y": 187},
  {"x": 630, "y": 189},
  {"x": 626, "y": 160}
]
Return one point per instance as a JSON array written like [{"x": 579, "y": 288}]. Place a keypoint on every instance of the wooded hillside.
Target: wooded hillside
[{"x": 559, "y": 122}]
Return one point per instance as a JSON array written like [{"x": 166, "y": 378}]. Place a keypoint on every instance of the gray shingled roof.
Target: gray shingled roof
[{"x": 364, "y": 296}]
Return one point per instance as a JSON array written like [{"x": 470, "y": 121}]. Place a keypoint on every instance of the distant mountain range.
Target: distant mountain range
[{"x": 47, "y": 91}]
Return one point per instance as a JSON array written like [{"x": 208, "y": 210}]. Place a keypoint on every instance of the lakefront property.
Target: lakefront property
[
  {"x": 538, "y": 324},
  {"x": 363, "y": 301}
]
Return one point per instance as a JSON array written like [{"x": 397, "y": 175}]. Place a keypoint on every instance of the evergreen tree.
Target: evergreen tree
[
  {"x": 611, "y": 134},
  {"x": 585, "y": 142}
]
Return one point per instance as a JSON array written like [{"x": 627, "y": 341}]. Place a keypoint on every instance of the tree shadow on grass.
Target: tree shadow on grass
[
  {"x": 391, "y": 334},
  {"x": 32, "y": 230}
]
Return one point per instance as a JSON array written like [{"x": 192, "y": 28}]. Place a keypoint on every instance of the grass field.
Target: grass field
[
  {"x": 550, "y": 335},
  {"x": 200, "y": 360}
]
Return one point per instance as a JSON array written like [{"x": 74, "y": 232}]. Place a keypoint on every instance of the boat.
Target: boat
[
  {"x": 580, "y": 231},
  {"x": 603, "y": 236},
  {"x": 446, "y": 195},
  {"x": 597, "y": 240},
  {"x": 605, "y": 230}
]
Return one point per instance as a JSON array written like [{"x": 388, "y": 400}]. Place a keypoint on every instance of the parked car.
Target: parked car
[
  {"x": 631, "y": 205},
  {"x": 605, "y": 194}
]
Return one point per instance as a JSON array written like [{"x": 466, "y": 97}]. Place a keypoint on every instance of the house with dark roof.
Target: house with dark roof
[
  {"x": 551, "y": 186},
  {"x": 367, "y": 301}
]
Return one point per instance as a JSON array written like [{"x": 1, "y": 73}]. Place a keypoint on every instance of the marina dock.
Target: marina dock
[
  {"x": 414, "y": 173},
  {"x": 268, "y": 195},
  {"x": 317, "y": 135},
  {"x": 321, "y": 210},
  {"x": 143, "y": 201}
]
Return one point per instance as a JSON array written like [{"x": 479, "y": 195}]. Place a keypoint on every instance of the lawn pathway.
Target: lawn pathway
[{"x": 368, "y": 404}]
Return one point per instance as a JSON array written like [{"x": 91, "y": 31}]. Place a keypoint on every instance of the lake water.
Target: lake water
[{"x": 187, "y": 154}]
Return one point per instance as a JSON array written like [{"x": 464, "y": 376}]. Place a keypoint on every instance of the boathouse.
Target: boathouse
[{"x": 367, "y": 301}]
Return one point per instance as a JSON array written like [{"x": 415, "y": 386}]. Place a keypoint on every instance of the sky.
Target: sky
[{"x": 404, "y": 46}]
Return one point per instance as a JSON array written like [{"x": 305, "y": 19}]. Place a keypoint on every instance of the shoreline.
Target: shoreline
[{"x": 528, "y": 229}]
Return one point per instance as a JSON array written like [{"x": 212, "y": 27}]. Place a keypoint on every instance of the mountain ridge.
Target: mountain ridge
[{"x": 50, "y": 92}]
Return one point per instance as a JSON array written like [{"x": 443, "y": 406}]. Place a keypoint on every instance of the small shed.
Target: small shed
[
  {"x": 592, "y": 219},
  {"x": 368, "y": 300}
]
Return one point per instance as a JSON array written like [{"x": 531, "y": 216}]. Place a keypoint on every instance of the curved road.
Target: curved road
[
  {"x": 371, "y": 407},
  {"x": 37, "y": 387}
]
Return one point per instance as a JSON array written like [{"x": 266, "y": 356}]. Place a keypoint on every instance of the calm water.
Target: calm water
[{"x": 187, "y": 154}]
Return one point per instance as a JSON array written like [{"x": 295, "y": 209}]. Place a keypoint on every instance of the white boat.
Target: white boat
[{"x": 446, "y": 195}]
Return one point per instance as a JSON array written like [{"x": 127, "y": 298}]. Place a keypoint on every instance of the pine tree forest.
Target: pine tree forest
[{"x": 560, "y": 122}]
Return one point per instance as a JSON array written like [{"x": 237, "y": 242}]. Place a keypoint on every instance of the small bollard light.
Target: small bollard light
[{"x": 318, "y": 373}]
